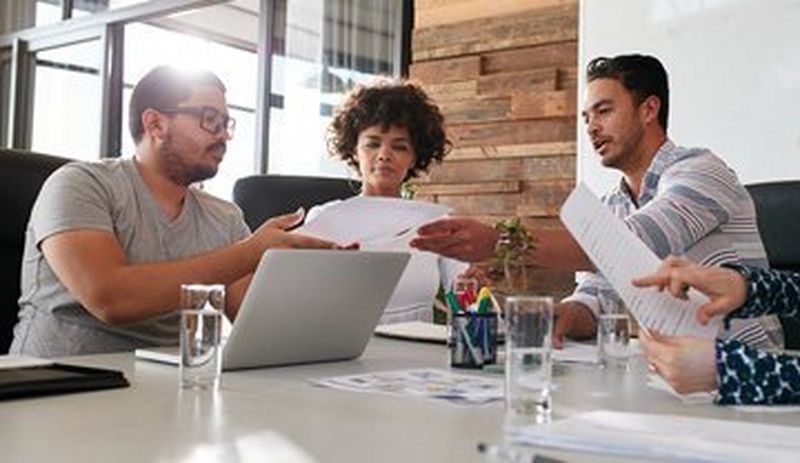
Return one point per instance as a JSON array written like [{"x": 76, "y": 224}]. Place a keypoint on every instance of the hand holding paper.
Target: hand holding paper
[
  {"x": 621, "y": 257},
  {"x": 726, "y": 288},
  {"x": 365, "y": 220}
]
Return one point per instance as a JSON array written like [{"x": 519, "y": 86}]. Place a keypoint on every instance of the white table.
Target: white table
[{"x": 153, "y": 421}]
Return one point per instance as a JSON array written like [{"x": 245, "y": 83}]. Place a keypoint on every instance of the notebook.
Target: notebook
[{"x": 306, "y": 306}]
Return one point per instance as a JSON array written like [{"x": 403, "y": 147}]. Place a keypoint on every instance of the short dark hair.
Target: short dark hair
[
  {"x": 642, "y": 75},
  {"x": 389, "y": 102},
  {"x": 164, "y": 87}
]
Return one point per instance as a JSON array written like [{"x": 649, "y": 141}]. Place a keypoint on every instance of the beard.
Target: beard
[
  {"x": 627, "y": 148},
  {"x": 182, "y": 172}
]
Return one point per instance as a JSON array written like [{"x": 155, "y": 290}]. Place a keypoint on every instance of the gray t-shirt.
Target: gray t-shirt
[{"x": 109, "y": 195}]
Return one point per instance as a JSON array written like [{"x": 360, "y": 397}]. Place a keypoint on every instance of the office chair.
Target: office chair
[
  {"x": 778, "y": 211},
  {"x": 263, "y": 196},
  {"x": 21, "y": 176}
]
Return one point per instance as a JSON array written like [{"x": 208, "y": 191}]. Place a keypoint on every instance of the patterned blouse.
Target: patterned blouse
[{"x": 751, "y": 376}]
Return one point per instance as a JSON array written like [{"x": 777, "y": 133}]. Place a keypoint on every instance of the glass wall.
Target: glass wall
[
  {"x": 5, "y": 95},
  {"x": 66, "y": 109},
  {"x": 318, "y": 49},
  {"x": 51, "y": 11},
  {"x": 323, "y": 48},
  {"x": 174, "y": 40}
]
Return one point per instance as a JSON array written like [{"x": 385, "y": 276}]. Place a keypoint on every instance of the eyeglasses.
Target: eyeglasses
[{"x": 211, "y": 120}]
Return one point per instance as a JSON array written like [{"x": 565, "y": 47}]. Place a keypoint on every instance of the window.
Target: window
[
  {"x": 174, "y": 40},
  {"x": 5, "y": 93},
  {"x": 71, "y": 77},
  {"x": 66, "y": 108},
  {"x": 323, "y": 48}
]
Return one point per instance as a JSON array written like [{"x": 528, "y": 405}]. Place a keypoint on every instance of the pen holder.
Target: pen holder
[{"x": 473, "y": 339}]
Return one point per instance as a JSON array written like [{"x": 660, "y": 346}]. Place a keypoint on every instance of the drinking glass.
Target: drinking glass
[
  {"x": 613, "y": 334},
  {"x": 529, "y": 357},
  {"x": 200, "y": 329}
]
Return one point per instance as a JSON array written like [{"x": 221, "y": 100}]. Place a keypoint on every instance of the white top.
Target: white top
[{"x": 413, "y": 297}]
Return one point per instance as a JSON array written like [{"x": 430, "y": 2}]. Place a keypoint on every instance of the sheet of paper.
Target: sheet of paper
[
  {"x": 415, "y": 331},
  {"x": 428, "y": 383},
  {"x": 21, "y": 361},
  {"x": 363, "y": 219},
  {"x": 621, "y": 256},
  {"x": 665, "y": 437}
]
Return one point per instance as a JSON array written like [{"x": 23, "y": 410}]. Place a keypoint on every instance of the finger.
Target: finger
[
  {"x": 436, "y": 243},
  {"x": 655, "y": 279},
  {"x": 711, "y": 309},
  {"x": 676, "y": 262},
  {"x": 442, "y": 226},
  {"x": 307, "y": 242},
  {"x": 286, "y": 221}
]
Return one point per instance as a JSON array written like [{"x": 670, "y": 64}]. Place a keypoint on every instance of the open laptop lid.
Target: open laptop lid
[{"x": 307, "y": 306}]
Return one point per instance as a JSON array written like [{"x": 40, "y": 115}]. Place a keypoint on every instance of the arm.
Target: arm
[
  {"x": 750, "y": 376},
  {"x": 93, "y": 267},
  {"x": 769, "y": 292},
  {"x": 471, "y": 241},
  {"x": 576, "y": 315},
  {"x": 733, "y": 290},
  {"x": 696, "y": 197}
]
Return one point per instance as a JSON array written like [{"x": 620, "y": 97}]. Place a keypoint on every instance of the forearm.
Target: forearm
[
  {"x": 556, "y": 249},
  {"x": 769, "y": 292},
  {"x": 132, "y": 292},
  {"x": 751, "y": 376}
]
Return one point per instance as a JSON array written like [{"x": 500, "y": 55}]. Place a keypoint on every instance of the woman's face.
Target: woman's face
[{"x": 384, "y": 158}]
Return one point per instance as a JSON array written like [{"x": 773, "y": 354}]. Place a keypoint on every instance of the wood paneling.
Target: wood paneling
[
  {"x": 504, "y": 74},
  {"x": 537, "y": 27},
  {"x": 439, "y": 12}
]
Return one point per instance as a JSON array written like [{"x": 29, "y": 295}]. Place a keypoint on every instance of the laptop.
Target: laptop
[{"x": 306, "y": 306}]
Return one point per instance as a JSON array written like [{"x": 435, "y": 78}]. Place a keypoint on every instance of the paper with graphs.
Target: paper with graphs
[{"x": 621, "y": 256}]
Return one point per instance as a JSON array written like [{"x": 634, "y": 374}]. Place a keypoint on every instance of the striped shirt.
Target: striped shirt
[{"x": 691, "y": 204}]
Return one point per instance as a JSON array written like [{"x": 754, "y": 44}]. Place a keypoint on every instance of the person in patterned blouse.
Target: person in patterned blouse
[{"x": 742, "y": 375}]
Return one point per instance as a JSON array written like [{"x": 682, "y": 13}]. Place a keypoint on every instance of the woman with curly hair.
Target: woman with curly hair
[{"x": 390, "y": 132}]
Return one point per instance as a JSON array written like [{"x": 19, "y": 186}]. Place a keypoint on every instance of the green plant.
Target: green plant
[{"x": 511, "y": 252}]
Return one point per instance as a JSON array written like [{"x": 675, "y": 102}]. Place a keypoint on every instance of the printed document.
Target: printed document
[
  {"x": 429, "y": 383},
  {"x": 620, "y": 256},
  {"x": 665, "y": 437},
  {"x": 365, "y": 220}
]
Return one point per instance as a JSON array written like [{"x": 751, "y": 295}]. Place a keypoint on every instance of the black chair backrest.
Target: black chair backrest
[
  {"x": 265, "y": 196},
  {"x": 778, "y": 211},
  {"x": 21, "y": 176}
]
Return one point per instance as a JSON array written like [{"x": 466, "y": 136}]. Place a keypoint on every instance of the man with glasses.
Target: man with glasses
[
  {"x": 109, "y": 243},
  {"x": 680, "y": 201}
]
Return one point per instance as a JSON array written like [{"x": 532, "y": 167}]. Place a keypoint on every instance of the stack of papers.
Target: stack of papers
[
  {"x": 427, "y": 383},
  {"x": 665, "y": 437}
]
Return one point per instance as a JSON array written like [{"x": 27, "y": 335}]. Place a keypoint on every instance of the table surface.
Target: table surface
[{"x": 154, "y": 421}]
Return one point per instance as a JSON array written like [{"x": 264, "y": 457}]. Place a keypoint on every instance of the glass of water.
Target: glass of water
[
  {"x": 200, "y": 332},
  {"x": 613, "y": 334},
  {"x": 529, "y": 358}
]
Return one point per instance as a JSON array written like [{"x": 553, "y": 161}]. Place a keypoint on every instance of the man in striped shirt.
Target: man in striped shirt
[{"x": 677, "y": 200}]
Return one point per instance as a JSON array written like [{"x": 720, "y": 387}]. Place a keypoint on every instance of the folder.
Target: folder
[{"x": 56, "y": 378}]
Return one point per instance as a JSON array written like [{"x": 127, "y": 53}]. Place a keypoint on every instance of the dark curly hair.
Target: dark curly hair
[{"x": 389, "y": 102}]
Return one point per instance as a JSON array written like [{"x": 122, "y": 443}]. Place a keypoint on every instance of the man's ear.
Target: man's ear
[
  {"x": 650, "y": 107},
  {"x": 154, "y": 124}
]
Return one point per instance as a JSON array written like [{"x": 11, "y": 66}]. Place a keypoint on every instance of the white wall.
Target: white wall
[{"x": 734, "y": 68}]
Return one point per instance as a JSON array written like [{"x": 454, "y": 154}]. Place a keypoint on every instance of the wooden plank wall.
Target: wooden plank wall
[{"x": 504, "y": 74}]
